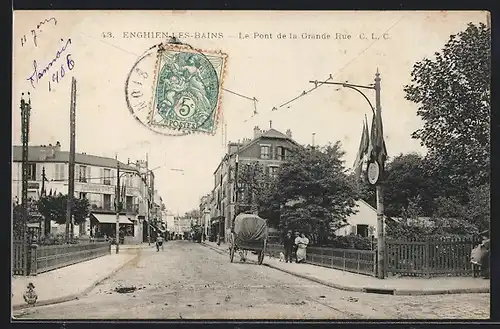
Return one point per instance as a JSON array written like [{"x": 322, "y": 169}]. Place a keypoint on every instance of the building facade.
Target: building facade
[
  {"x": 205, "y": 213},
  {"x": 95, "y": 180},
  {"x": 267, "y": 147},
  {"x": 362, "y": 223}
]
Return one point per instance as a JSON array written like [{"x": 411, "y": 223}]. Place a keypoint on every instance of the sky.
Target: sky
[{"x": 273, "y": 70}]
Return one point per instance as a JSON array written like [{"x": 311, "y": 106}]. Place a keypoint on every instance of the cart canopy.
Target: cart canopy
[{"x": 249, "y": 229}]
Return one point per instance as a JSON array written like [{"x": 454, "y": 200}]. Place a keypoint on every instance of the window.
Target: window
[
  {"x": 83, "y": 195},
  {"x": 265, "y": 151},
  {"x": 280, "y": 153},
  {"x": 59, "y": 171},
  {"x": 106, "y": 204},
  {"x": 31, "y": 171},
  {"x": 129, "y": 202},
  {"x": 273, "y": 171},
  {"x": 362, "y": 230},
  {"x": 107, "y": 177},
  {"x": 82, "y": 174}
]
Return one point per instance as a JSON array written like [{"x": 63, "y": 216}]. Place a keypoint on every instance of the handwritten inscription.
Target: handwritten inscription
[
  {"x": 38, "y": 75},
  {"x": 38, "y": 28}
]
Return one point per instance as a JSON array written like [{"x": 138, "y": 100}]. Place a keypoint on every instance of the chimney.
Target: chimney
[
  {"x": 289, "y": 133},
  {"x": 256, "y": 132}
]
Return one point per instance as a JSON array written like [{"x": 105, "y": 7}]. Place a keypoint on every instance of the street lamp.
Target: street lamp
[{"x": 374, "y": 167}]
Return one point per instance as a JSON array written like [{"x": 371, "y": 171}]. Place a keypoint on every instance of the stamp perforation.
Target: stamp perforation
[{"x": 216, "y": 114}]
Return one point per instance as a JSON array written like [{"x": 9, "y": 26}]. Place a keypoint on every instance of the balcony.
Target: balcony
[
  {"x": 132, "y": 209},
  {"x": 102, "y": 207}
]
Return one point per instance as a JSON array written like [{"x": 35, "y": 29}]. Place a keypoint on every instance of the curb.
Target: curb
[
  {"x": 68, "y": 298},
  {"x": 370, "y": 290},
  {"x": 397, "y": 292},
  {"x": 325, "y": 283}
]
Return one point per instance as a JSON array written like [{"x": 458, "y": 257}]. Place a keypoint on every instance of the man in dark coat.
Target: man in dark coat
[{"x": 288, "y": 245}]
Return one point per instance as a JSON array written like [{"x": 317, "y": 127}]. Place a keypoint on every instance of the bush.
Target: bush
[
  {"x": 56, "y": 239},
  {"x": 350, "y": 242}
]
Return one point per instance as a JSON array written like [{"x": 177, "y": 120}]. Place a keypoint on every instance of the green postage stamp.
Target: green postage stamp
[{"x": 186, "y": 89}]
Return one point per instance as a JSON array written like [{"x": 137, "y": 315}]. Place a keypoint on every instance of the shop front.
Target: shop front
[
  {"x": 216, "y": 229},
  {"x": 104, "y": 226}
]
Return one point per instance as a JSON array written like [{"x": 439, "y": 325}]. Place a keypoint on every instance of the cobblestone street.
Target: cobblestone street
[{"x": 190, "y": 281}]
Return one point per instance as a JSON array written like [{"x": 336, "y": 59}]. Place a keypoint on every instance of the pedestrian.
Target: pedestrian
[
  {"x": 159, "y": 242},
  {"x": 480, "y": 257},
  {"x": 296, "y": 245},
  {"x": 301, "y": 248},
  {"x": 288, "y": 246}
]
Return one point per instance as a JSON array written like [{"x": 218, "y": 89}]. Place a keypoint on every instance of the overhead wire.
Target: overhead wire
[{"x": 320, "y": 83}]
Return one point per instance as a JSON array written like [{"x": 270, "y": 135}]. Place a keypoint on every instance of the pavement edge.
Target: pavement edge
[
  {"x": 368, "y": 290},
  {"x": 68, "y": 298}
]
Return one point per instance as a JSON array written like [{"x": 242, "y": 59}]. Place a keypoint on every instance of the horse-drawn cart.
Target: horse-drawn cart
[{"x": 250, "y": 233}]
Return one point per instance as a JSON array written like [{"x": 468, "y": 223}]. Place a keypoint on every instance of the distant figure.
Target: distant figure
[
  {"x": 296, "y": 245},
  {"x": 159, "y": 242},
  {"x": 302, "y": 243},
  {"x": 480, "y": 258},
  {"x": 288, "y": 246}
]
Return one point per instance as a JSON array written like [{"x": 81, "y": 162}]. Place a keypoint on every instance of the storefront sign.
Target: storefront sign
[
  {"x": 33, "y": 185},
  {"x": 95, "y": 188}
]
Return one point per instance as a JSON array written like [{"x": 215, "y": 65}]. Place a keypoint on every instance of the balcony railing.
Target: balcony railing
[{"x": 132, "y": 208}]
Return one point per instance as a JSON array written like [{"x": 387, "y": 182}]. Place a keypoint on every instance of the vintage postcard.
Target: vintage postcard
[{"x": 251, "y": 165}]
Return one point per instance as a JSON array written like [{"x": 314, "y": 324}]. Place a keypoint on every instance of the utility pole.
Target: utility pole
[
  {"x": 117, "y": 205},
  {"x": 25, "y": 121},
  {"x": 148, "y": 200},
  {"x": 71, "y": 178},
  {"x": 380, "y": 196},
  {"x": 152, "y": 195},
  {"x": 43, "y": 194},
  {"x": 236, "y": 185},
  {"x": 377, "y": 111}
]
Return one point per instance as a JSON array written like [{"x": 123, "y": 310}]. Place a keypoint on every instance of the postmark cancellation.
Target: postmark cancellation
[{"x": 175, "y": 89}]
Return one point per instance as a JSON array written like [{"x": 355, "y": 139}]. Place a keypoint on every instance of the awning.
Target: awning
[
  {"x": 110, "y": 219},
  {"x": 157, "y": 228}
]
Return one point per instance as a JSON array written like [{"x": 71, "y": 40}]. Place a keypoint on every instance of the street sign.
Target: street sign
[{"x": 373, "y": 172}]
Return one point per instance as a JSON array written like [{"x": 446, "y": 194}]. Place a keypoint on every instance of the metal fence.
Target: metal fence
[
  {"x": 435, "y": 257},
  {"x": 350, "y": 260},
  {"x": 19, "y": 261},
  {"x": 46, "y": 258}
]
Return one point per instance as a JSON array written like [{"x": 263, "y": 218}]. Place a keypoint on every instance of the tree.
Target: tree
[
  {"x": 314, "y": 191},
  {"x": 54, "y": 208},
  {"x": 255, "y": 183},
  {"x": 406, "y": 180},
  {"x": 195, "y": 213},
  {"x": 453, "y": 94},
  {"x": 17, "y": 221}
]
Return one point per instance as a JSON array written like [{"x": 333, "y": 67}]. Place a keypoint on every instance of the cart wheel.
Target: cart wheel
[
  {"x": 262, "y": 252},
  {"x": 261, "y": 257},
  {"x": 231, "y": 253}
]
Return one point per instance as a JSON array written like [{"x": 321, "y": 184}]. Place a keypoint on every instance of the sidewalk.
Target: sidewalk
[
  {"x": 363, "y": 283},
  {"x": 70, "y": 282}
]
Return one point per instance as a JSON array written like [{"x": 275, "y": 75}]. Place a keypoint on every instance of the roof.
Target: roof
[
  {"x": 35, "y": 154},
  {"x": 271, "y": 133}
]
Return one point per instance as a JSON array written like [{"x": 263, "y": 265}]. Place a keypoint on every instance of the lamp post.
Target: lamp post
[{"x": 378, "y": 179}]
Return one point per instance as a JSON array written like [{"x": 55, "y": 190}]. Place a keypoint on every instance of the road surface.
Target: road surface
[{"x": 190, "y": 281}]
